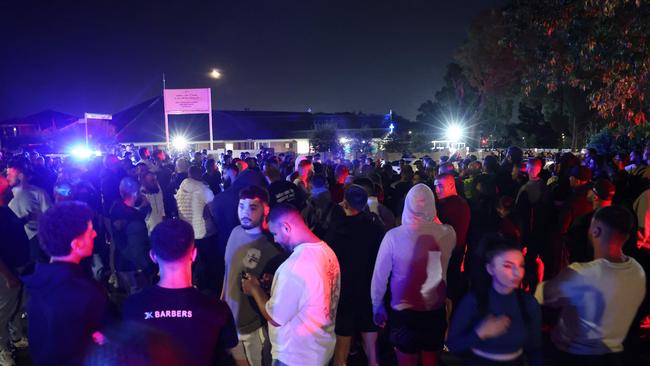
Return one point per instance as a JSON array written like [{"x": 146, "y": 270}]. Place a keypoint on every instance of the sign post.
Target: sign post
[
  {"x": 88, "y": 116},
  {"x": 187, "y": 101}
]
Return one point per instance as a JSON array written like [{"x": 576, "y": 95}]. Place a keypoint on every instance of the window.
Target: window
[{"x": 244, "y": 145}]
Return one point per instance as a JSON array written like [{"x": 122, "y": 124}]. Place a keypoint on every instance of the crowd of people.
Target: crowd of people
[{"x": 139, "y": 258}]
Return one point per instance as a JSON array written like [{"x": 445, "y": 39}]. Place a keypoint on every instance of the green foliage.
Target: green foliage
[
  {"x": 326, "y": 139},
  {"x": 615, "y": 139},
  {"x": 596, "y": 46}
]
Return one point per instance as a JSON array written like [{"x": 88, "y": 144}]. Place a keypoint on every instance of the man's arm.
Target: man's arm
[
  {"x": 251, "y": 287},
  {"x": 553, "y": 293}
]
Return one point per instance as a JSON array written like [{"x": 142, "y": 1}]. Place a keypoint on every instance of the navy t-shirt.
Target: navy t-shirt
[{"x": 201, "y": 326}]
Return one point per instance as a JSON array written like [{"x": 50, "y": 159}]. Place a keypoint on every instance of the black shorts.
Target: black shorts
[
  {"x": 354, "y": 317},
  {"x": 416, "y": 331}
]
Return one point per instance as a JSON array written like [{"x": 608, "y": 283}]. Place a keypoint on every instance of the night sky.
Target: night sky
[{"x": 330, "y": 56}]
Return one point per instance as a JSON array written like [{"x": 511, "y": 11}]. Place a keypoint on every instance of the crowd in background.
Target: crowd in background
[{"x": 449, "y": 255}]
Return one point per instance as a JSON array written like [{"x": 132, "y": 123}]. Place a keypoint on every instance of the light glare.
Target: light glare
[
  {"x": 454, "y": 133},
  {"x": 179, "y": 142}
]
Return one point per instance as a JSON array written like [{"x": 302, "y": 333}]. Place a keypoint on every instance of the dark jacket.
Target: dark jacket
[
  {"x": 65, "y": 308},
  {"x": 321, "y": 213},
  {"x": 131, "y": 238},
  {"x": 223, "y": 208}
]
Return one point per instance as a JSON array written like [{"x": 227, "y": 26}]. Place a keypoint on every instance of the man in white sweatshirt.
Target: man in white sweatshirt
[
  {"x": 415, "y": 257},
  {"x": 598, "y": 299},
  {"x": 192, "y": 199}
]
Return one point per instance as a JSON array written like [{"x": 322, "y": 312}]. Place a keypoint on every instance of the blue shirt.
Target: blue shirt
[{"x": 522, "y": 334}]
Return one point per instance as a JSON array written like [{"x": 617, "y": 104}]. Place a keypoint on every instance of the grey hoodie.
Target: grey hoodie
[{"x": 415, "y": 256}]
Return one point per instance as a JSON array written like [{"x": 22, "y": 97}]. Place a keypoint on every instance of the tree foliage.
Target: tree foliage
[
  {"x": 326, "y": 139},
  {"x": 596, "y": 46}
]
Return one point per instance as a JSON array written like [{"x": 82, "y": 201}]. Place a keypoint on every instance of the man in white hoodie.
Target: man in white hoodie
[
  {"x": 415, "y": 257},
  {"x": 192, "y": 199}
]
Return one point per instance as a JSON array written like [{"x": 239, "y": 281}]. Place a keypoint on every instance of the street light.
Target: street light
[{"x": 215, "y": 74}]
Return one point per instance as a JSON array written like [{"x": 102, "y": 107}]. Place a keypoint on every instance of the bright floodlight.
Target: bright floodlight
[
  {"x": 81, "y": 152},
  {"x": 454, "y": 132},
  {"x": 215, "y": 74},
  {"x": 179, "y": 143},
  {"x": 343, "y": 140}
]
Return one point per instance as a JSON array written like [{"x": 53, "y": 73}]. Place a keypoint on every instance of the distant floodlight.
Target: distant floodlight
[
  {"x": 343, "y": 140},
  {"x": 81, "y": 152},
  {"x": 179, "y": 143},
  {"x": 454, "y": 132}
]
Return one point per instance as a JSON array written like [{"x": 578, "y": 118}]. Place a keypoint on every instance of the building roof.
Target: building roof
[
  {"x": 144, "y": 122},
  {"x": 43, "y": 120}
]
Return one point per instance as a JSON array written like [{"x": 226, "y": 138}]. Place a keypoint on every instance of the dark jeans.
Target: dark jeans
[{"x": 12, "y": 301}]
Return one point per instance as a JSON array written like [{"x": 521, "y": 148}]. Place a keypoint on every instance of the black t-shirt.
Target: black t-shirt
[
  {"x": 200, "y": 325},
  {"x": 14, "y": 246}
]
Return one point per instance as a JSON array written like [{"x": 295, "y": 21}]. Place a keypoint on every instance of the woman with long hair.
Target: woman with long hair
[{"x": 497, "y": 323}]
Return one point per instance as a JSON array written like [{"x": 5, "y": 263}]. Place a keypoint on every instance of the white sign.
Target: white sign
[
  {"x": 187, "y": 101},
  {"x": 98, "y": 116}
]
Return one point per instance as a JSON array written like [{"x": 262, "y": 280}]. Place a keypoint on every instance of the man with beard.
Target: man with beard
[
  {"x": 249, "y": 250},
  {"x": 304, "y": 296}
]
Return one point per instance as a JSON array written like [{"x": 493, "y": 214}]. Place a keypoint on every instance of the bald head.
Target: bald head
[
  {"x": 610, "y": 228},
  {"x": 288, "y": 227}
]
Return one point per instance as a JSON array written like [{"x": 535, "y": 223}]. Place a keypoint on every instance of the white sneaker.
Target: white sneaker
[{"x": 7, "y": 358}]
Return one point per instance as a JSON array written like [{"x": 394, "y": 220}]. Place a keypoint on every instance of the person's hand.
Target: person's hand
[
  {"x": 249, "y": 283},
  {"x": 493, "y": 326},
  {"x": 379, "y": 316}
]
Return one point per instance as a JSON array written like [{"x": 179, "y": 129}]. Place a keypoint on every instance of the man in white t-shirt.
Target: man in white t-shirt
[
  {"x": 598, "y": 299},
  {"x": 304, "y": 295}
]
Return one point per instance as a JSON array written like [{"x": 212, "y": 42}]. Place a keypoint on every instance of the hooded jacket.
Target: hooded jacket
[
  {"x": 192, "y": 199},
  {"x": 65, "y": 308},
  {"x": 415, "y": 256}
]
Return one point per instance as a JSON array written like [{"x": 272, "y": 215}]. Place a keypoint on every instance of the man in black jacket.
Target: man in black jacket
[
  {"x": 131, "y": 238},
  {"x": 66, "y": 307}
]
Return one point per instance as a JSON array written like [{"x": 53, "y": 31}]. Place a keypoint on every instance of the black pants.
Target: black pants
[{"x": 208, "y": 268}]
